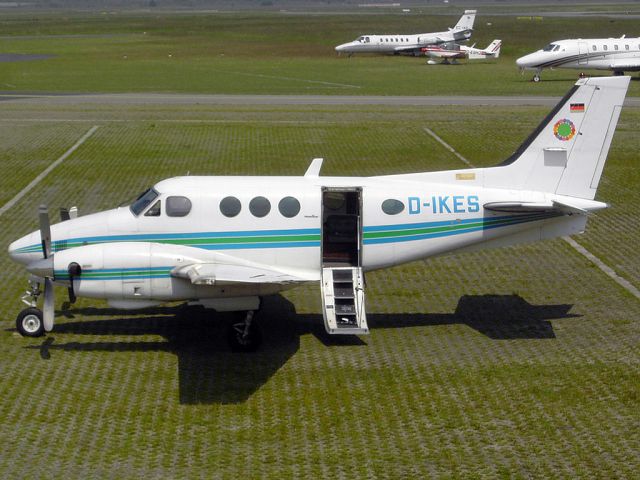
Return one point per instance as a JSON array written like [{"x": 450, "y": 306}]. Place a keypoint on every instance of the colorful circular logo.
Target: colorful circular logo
[{"x": 564, "y": 129}]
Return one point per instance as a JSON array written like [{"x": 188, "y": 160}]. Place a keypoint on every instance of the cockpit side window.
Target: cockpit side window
[
  {"x": 155, "y": 210},
  {"x": 143, "y": 201},
  {"x": 177, "y": 206},
  {"x": 550, "y": 47}
]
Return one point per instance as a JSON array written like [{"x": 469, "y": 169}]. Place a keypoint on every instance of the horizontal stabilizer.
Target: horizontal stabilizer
[
  {"x": 225, "y": 274},
  {"x": 573, "y": 206},
  {"x": 517, "y": 207}
]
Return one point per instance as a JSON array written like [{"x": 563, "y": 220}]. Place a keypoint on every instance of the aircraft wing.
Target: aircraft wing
[
  {"x": 227, "y": 274},
  {"x": 407, "y": 49},
  {"x": 439, "y": 52},
  {"x": 630, "y": 66}
]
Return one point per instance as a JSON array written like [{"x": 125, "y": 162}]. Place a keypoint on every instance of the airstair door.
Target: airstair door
[
  {"x": 343, "y": 299},
  {"x": 583, "y": 53}
]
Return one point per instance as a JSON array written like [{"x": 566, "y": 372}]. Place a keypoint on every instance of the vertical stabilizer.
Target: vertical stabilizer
[
  {"x": 466, "y": 21},
  {"x": 567, "y": 152},
  {"x": 494, "y": 48}
]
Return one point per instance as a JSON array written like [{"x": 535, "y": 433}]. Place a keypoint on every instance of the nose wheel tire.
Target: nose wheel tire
[
  {"x": 536, "y": 78},
  {"x": 29, "y": 323}
]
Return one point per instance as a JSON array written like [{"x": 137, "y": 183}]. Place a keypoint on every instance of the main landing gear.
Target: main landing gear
[
  {"x": 245, "y": 336},
  {"x": 536, "y": 78},
  {"x": 29, "y": 322}
]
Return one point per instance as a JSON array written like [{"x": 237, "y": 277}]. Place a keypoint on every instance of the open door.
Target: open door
[
  {"x": 341, "y": 227},
  {"x": 342, "y": 277},
  {"x": 583, "y": 53}
]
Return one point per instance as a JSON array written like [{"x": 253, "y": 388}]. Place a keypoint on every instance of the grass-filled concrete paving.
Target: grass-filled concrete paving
[{"x": 520, "y": 362}]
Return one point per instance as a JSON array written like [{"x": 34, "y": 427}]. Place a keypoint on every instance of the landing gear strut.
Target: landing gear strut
[
  {"x": 245, "y": 336},
  {"x": 29, "y": 322}
]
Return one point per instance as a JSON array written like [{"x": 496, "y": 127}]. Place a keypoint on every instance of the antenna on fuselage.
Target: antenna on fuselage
[{"x": 314, "y": 168}]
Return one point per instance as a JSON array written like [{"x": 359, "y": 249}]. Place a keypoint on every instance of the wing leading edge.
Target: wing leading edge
[{"x": 225, "y": 274}]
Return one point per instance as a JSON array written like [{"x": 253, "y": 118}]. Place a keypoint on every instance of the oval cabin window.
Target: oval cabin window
[{"x": 392, "y": 206}]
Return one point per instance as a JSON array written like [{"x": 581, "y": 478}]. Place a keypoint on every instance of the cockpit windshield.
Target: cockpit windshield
[
  {"x": 143, "y": 201},
  {"x": 550, "y": 47}
]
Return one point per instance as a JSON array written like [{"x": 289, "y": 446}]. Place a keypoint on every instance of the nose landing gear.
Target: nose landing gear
[{"x": 29, "y": 322}]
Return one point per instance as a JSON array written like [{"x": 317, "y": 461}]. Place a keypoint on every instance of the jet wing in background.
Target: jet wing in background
[
  {"x": 407, "y": 49},
  {"x": 627, "y": 65}
]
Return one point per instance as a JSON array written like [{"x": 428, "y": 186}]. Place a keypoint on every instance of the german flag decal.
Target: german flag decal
[{"x": 577, "y": 107}]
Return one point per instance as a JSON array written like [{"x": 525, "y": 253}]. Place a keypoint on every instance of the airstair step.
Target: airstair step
[
  {"x": 342, "y": 275},
  {"x": 343, "y": 291},
  {"x": 343, "y": 301}
]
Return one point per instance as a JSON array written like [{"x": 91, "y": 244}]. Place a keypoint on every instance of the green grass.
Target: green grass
[
  {"x": 520, "y": 362},
  {"x": 28, "y": 150},
  {"x": 272, "y": 53}
]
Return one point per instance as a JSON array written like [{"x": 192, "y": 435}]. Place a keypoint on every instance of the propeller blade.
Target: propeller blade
[
  {"x": 48, "y": 307},
  {"x": 45, "y": 230},
  {"x": 64, "y": 214}
]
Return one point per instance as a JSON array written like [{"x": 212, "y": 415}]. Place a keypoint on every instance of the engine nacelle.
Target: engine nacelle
[{"x": 126, "y": 270}]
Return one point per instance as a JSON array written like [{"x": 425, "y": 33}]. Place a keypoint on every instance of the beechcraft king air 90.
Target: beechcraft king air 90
[
  {"x": 225, "y": 242},
  {"x": 396, "y": 44}
]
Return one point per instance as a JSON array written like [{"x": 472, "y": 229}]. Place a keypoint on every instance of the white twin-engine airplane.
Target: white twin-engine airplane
[
  {"x": 224, "y": 242},
  {"x": 615, "y": 54},
  {"x": 397, "y": 44},
  {"x": 453, "y": 52}
]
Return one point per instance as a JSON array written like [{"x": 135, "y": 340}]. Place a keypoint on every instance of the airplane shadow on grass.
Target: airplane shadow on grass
[{"x": 210, "y": 373}]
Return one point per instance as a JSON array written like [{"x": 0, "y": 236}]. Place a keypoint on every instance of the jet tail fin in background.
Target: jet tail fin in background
[
  {"x": 466, "y": 21},
  {"x": 566, "y": 154}
]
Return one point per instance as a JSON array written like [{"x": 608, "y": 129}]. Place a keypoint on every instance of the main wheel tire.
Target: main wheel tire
[
  {"x": 536, "y": 78},
  {"x": 239, "y": 343},
  {"x": 29, "y": 323}
]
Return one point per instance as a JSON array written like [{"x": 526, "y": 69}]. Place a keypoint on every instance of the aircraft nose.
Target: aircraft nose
[
  {"x": 341, "y": 48},
  {"x": 14, "y": 251},
  {"x": 21, "y": 251},
  {"x": 524, "y": 62}
]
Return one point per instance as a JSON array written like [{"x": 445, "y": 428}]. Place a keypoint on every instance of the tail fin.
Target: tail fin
[
  {"x": 494, "y": 48},
  {"x": 466, "y": 21},
  {"x": 566, "y": 153}
]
